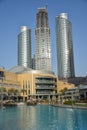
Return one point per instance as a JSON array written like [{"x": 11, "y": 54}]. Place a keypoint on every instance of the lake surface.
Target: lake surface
[{"x": 42, "y": 117}]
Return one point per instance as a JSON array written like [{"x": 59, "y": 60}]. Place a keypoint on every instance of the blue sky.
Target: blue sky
[{"x": 16, "y": 13}]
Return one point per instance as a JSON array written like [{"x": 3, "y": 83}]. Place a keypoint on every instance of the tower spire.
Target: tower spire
[{"x": 46, "y": 6}]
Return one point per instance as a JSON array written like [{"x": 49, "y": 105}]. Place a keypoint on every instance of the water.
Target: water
[{"x": 42, "y": 117}]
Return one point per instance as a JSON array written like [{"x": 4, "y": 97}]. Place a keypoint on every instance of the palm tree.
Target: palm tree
[
  {"x": 63, "y": 90},
  {"x": 63, "y": 93},
  {"x": 12, "y": 92},
  {"x": 23, "y": 92},
  {"x": 3, "y": 91}
]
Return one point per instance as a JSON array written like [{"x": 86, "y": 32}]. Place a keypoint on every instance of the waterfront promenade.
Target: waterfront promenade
[{"x": 69, "y": 106}]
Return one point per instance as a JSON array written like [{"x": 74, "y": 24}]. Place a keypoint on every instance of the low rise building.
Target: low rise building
[
  {"x": 62, "y": 85},
  {"x": 9, "y": 85},
  {"x": 32, "y": 83},
  {"x": 36, "y": 83},
  {"x": 8, "y": 80}
]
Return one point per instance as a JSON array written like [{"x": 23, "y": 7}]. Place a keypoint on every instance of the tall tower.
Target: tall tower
[
  {"x": 24, "y": 47},
  {"x": 64, "y": 47},
  {"x": 43, "y": 58}
]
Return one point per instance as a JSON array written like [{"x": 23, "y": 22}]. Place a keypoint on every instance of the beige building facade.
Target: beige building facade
[
  {"x": 38, "y": 84},
  {"x": 8, "y": 80},
  {"x": 62, "y": 85},
  {"x": 32, "y": 83}
]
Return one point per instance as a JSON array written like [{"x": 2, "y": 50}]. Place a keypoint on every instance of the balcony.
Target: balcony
[
  {"x": 46, "y": 88},
  {"x": 45, "y": 82}
]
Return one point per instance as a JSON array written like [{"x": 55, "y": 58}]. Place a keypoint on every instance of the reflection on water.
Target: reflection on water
[{"x": 42, "y": 117}]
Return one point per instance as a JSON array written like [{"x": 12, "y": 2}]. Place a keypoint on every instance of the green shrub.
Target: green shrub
[{"x": 69, "y": 102}]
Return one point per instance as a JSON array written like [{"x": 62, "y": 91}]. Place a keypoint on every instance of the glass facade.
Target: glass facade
[
  {"x": 64, "y": 47},
  {"x": 43, "y": 58},
  {"x": 24, "y": 47}
]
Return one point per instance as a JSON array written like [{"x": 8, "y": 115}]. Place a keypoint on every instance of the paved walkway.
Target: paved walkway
[{"x": 69, "y": 106}]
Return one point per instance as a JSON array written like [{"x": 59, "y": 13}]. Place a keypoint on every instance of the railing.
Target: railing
[
  {"x": 45, "y": 87},
  {"x": 44, "y": 92},
  {"x": 45, "y": 82}
]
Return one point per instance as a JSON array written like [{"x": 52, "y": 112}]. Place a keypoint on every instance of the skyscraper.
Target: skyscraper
[
  {"x": 64, "y": 47},
  {"x": 43, "y": 58},
  {"x": 24, "y": 47}
]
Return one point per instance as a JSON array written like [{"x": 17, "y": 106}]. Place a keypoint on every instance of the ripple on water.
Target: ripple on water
[{"x": 42, "y": 118}]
